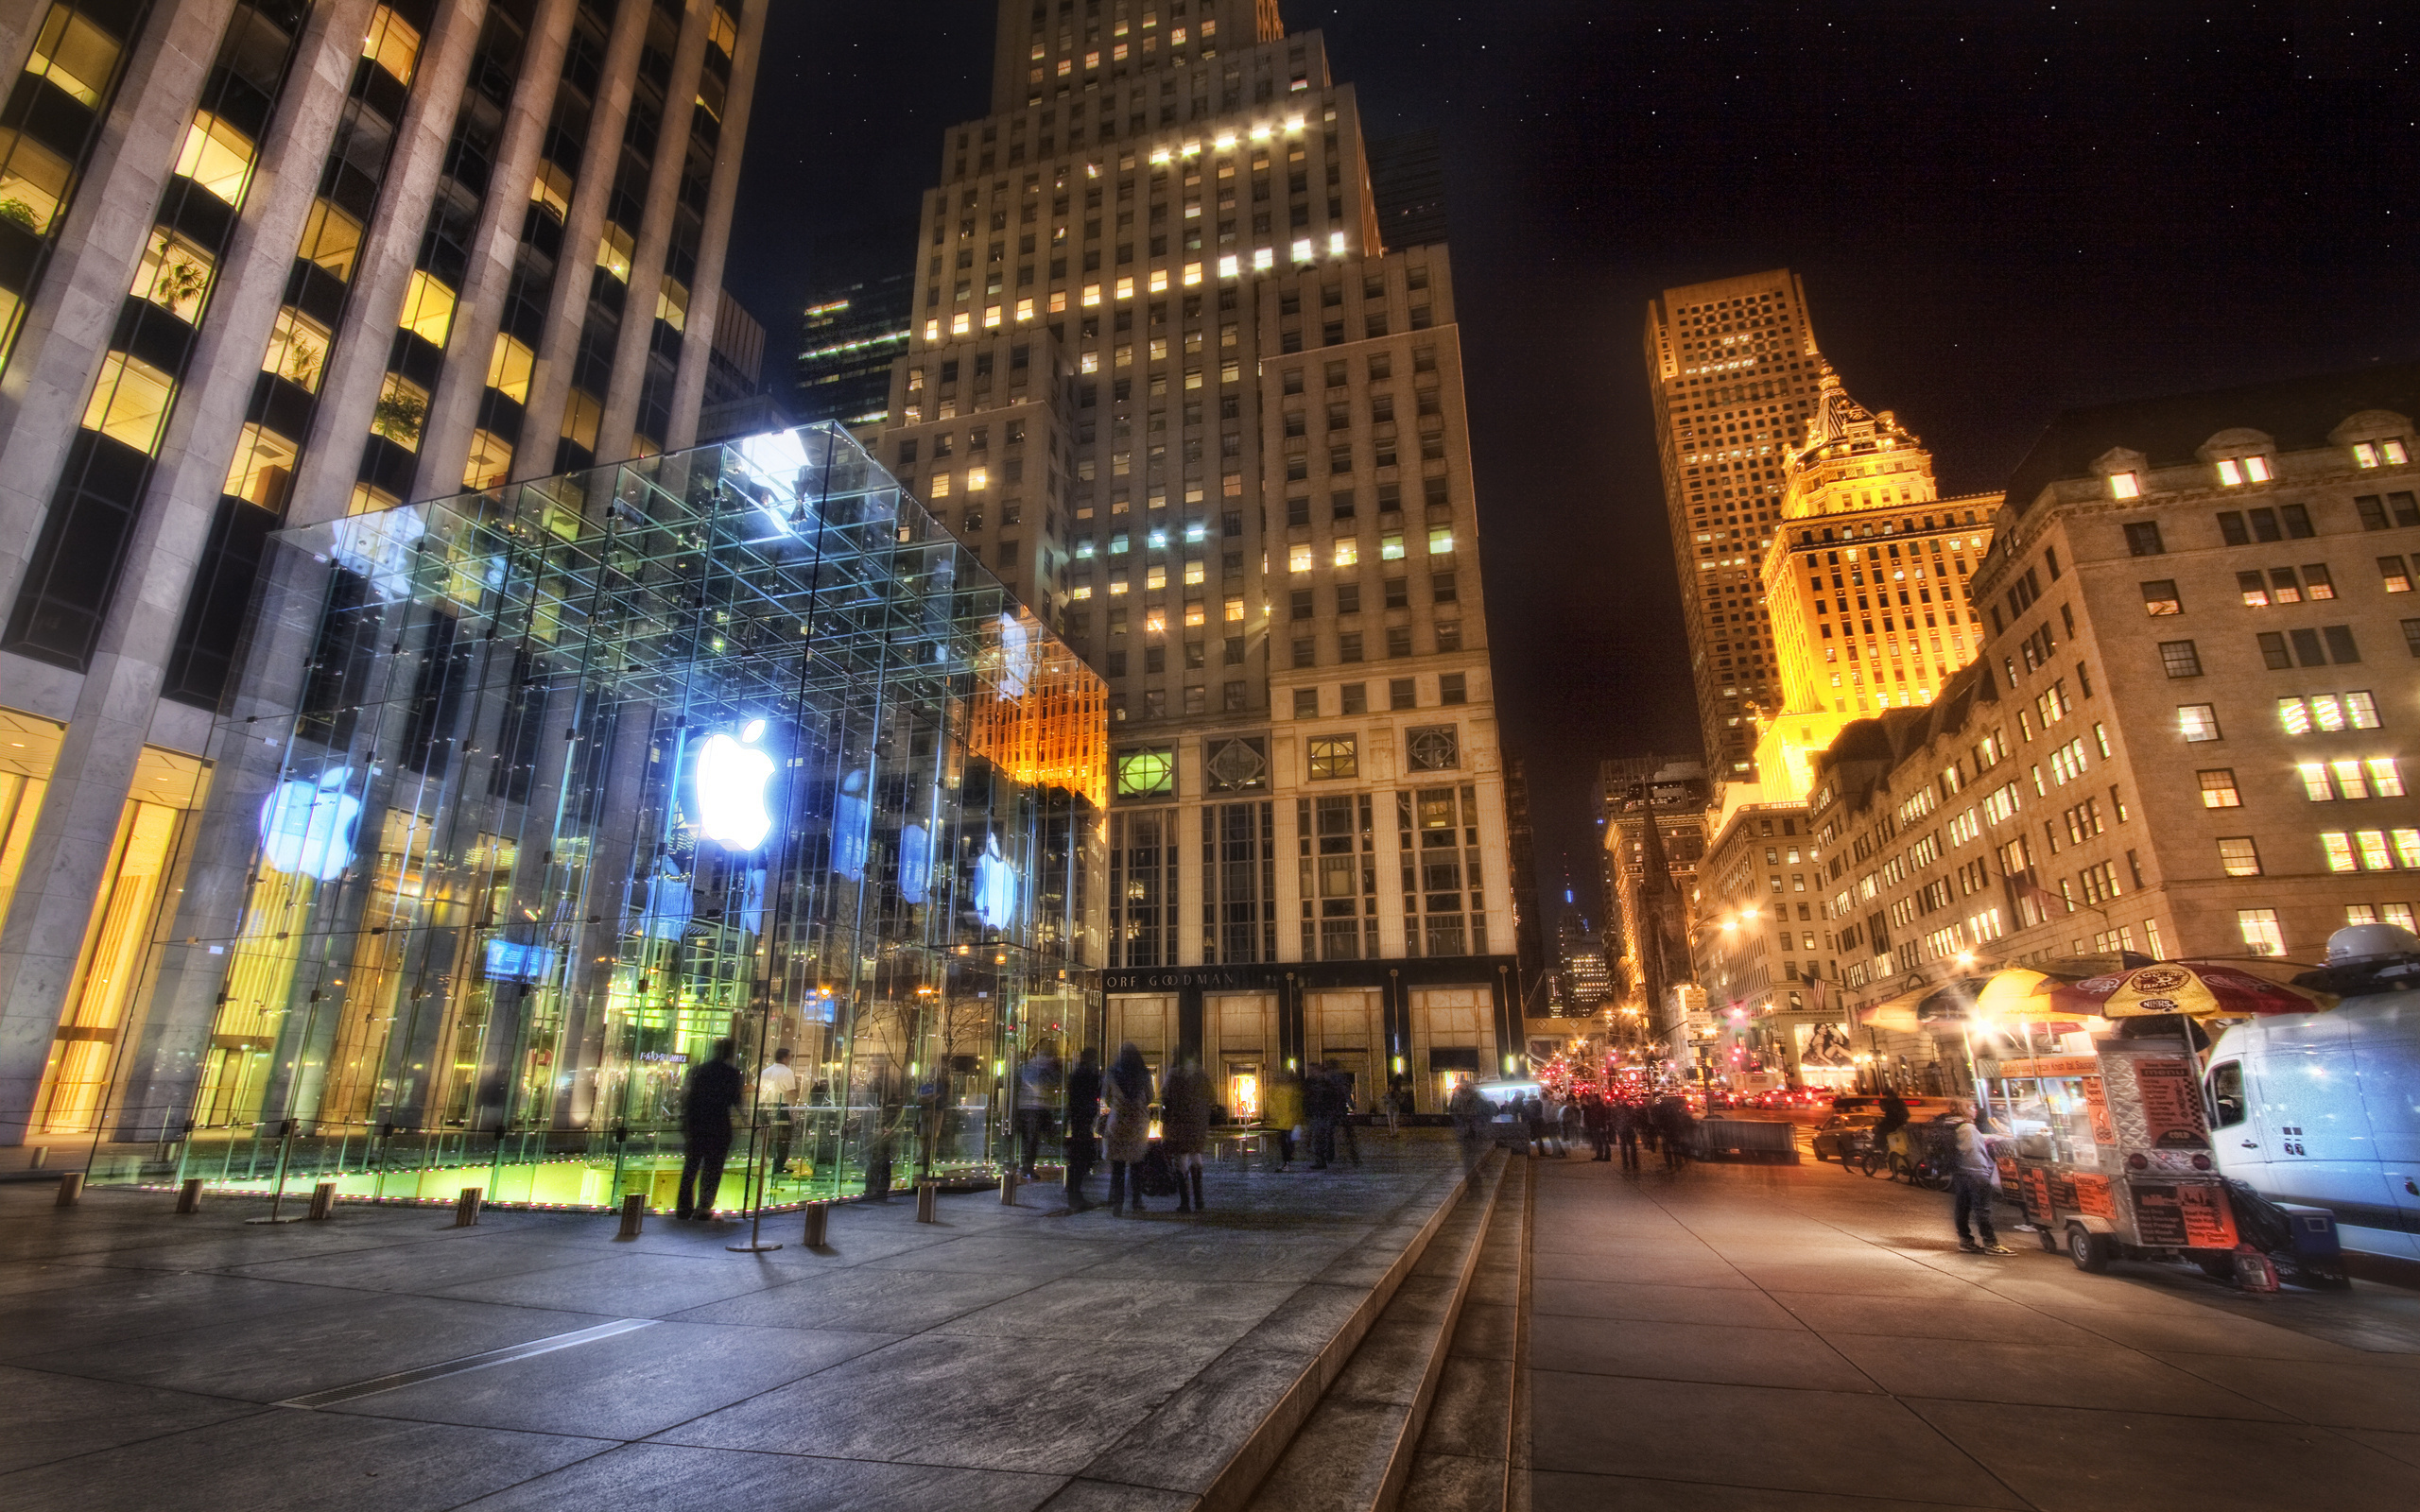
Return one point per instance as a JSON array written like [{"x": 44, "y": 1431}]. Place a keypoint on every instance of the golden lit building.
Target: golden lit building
[{"x": 1865, "y": 583}]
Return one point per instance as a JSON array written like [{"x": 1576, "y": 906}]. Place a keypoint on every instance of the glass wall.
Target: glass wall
[{"x": 543, "y": 790}]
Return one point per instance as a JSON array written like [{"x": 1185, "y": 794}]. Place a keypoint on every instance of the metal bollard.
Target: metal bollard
[
  {"x": 927, "y": 1195},
  {"x": 37, "y": 1157},
  {"x": 466, "y": 1207},
  {"x": 189, "y": 1196},
  {"x": 1008, "y": 1188},
  {"x": 634, "y": 1214},
  {"x": 323, "y": 1202},
  {"x": 71, "y": 1187},
  {"x": 819, "y": 1224}
]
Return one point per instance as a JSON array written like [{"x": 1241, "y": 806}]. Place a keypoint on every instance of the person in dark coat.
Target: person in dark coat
[
  {"x": 1083, "y": 1112},
  {"x": 1185, "y": 1126},
  {"x": 1628, "y": 1120},
  {"x": 1127, "y": 1090},
  {"x": 1597, "y": 1118},
  {"x": 714, "y": 1089},
  {"x": 1674, "y": 1124},
  {"x": 1323, "y": 1109}
]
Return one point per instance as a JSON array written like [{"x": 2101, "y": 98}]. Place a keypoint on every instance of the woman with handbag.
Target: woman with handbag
[{"x": 1127, "y": 1092}]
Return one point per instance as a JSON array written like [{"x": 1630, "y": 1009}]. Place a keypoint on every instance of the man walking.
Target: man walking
[
  {"x": 714, "y": 1089},
  {"x": 1627, "y": 1120},
  {"x": 1323, "y": 1109},
  {"x": 776, "y": 1090},
  {"x": 1972, "y": 1182},
  {"x": 1037, "y": 1090},
  {"x": 1083, "y": 1112}
]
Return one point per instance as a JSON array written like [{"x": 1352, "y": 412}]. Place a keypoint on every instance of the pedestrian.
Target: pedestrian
[
  {"x": 1534, "y": 1119},
  {"x": 1127, "y": 1092},
  {"x": 1673, "y": 1126},
  {"x": 1322, "y": 1109},
  {"x": 1284, "y": 1113},
  {"x": 1083, "y": 1112},
  {"x": 776, "y": 1090},
  {"x": 1393, "y": 1103},
  {"x": 1037, "y": 1091},
  {"x": 1627, "y": 1122},
  {"x": 1347, "y": 1106},
  {"x": 714, "y": 1089},
  {"x": 1598, "y": 1119},
  {"x": 1185, "y": 1126},
  {"x": 1469, "y": 1111},
  {"x": 1972, "y": 1180}
]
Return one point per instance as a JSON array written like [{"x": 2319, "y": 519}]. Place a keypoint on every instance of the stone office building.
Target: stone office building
[
  {"x": 1168, "y": 380},
  {"x": 265, "y": 263}
]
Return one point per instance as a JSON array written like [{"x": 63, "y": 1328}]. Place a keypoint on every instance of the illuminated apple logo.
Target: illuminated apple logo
[
  {"x": 732, "y": 775},
  {"x": 852, "y": 821},
  {"x": 1016, "y": 658},
  {"x": 915, "y": 862},
  {"x": 995, "y": 886},
  {"x": 307, "y": 827}
]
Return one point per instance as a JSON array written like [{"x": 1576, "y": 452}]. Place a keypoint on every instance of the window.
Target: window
[
  {"x": 392, "y": 43},
  {"x": 130, "y": 402},
  {"x": 1453, "y": 687},
  {"x": 552, "y": 189},
  {"x": 2197, "y": 721},
  {"x": 489, "y": 463},
  {"x": 174, "y": 274},
  {"x": 1398, "y": 639},
  {"x": 510, "y": 364},
  {"x": 2261, "y": 934},
  {"x": 2351, "y": 777},
  {"x": 2159, "y": 597},
  {"x": 2274, "y": 654},
  {"x": 2179, "y": 659},
  {"x": 1433, "y": 748},
  {"x": 33, "y": 182},
  {"x": 613, "y": 251},
  {"x": 2239, "y": 856},
  {"x": 2228, "y": 1105},
  {"x": 2128, "y": 486},
  {"x": 2394, "y": 576},
  {"x": 403, "y": 410},
  {"x": 1348, "y": 646},
  {"x": 2372, "y": 849},
  {"x": 2396, "y": 509},
  {"x": 2234, "y": 470},
  {"x": 2371, "y": 454},
  {"x": 1333, "y": 757},
  {"x": 428, "y": 309},
  {"x": 2142, "y": 535},
  {"x": 2340, "y": 644},
  {"x": 2317, "y": 584},
  {"x": 2328, "y": 712},
  {"x": 2412, "y": 636},
  {"x": 216, "y": 156},
  {"x": 1148, "y": 772},
  {"x": 263, "y": 466},
  {"x": 1402, "y": 692},
  {"x": 74, "y": 54},
  {"x": 2218, "y": 789}
]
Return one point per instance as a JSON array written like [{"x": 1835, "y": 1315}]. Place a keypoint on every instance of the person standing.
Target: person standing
[
  {"x": 1037, "y": 1090},
  {"x": 1322, "y": 1109},
  {"x": 1127, "y": 1092},
  {"x": 1627, "y": 1119},
  {"x": 1673, "y": 1127},
  {"x": 1469, "y": 1111},
  {"x": 1285, "y": 1112},
  {"x": 1973, "y": 1179},
  {"x": 1083, "y": 1112},
  {"x": 714, "y": 1090},
  {"x": 776, "y": 1091},
  {"x": 1598, "y": 1119},
  {"x": 1185, "y": 1127},
  {"x": 1346, "y": 1106}
]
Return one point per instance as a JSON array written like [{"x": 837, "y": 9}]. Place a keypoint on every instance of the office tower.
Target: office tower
[
  {"x": 1865, "y": 583},
  {"x": 269, "y": 263},
  {"x": 738, "y": 401},
  {"x": 1529, "y": 924},
  {"x": 1408, "y": 186},
  {"x": 1654, "y": 812},
  {"x": 1171, "y": 384},
  {"x": 847, "y": 345},
  {"x": 1733, "y": 369}
]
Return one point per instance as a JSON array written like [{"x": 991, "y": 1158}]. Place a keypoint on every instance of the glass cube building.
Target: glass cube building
[{"x": 527, "y": 797}]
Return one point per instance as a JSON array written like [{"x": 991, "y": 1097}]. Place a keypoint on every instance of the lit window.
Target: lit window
[
  {"x": 2159, "y": 597},
  {"x": 1334, "y": 756},
  {"x": 991, "y": 317},
  {"x": 73, "y": 54},
  {"x": 1082, "y": 591},
  {"x": 939, "y": 487},
  {"x": 2328, "y": 712},
  {"x": 264, "y": 465},
  {"x": 1348, "y": 551},
  {"x": 1265, "y": 259},
  {"x": 367, "y": 500},
  {"x": 428, "y": 309},
  {"x": 2314, "y": 776},
  {"x": 1303, "y": 250},
  {"x": 1126, "y": 288},
  {"x": 1092, "y": 295},
  {"x": 672, "y": 304},
  {"x": 614, "y": 249},
  {"x": 1194, "y": 615},
  {"x": 509, "y": 369},
  {"x": 1156, "y": 575},
  {"x": 932, "y": 330},
  {"x": 1159, "y": 280},
  {"x": 33, "y": 182},
  {"x": 1146, "y": 773},
  {"x": 978, "y": 479},
  {"x": 490, "y": 462},
  {"x": 1025, "y": 310},
  {"x": 1193, "y": 572},
  {"x": 2261, "y": 934},
  {"x": 174, "y": 274},
  {"x": 1229, "y": 266},
  {"x": 1192, "y": 274},
  {"x": 297, "y": 350},
  {"x": 2218, "y": 789},
  {"x": 1298, "y": 559},
  {"x": 2337, "y": 847},
  {"x": 1440, "y": 541},
  {"x": 216, "y": 156},
  {"x": 1234, "y": 612},
  {"x": 2197, "y": 721},
  {"x": 2257, "y": 468},
  {"x": 1089, "y": 362},
  {"x": 130, "y": 402},
  {"x": 2125, "y": 486},
  {"x": 2239, "y": 856},
  {"x": 2386, "y": 777},
  {"x": 392, "y": 43},
  {"x": 1390, "y": 546},
  {"x": 551, "y": 188},
  {"x": 724, "y": 32},
  {"x": 1336, "y": 244},
  {"x": 403, "y": 410},
  {"x": 961, "y": 323}
]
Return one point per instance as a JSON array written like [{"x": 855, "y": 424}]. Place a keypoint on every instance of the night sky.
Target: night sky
[{"x": 2000, "y": 209}]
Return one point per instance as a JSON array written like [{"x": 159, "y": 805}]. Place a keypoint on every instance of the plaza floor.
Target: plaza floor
[
  {"x": 1739, "y": 1338},
  {"x": 1004, "y": 1357}
]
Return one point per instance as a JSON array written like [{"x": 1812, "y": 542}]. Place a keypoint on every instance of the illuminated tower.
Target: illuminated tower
[{"x": 1865, "y": 584}]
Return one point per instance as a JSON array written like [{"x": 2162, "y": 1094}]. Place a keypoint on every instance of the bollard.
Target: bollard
[
  {"x": 37, "y": 1157},
  {"x": 189, "y": 1196},
  {"x": 927, "y": 1195},
  {"x": 1009, "y": 1187},
  {"x": 819, "y": 1224},
  {"x": 323, "y": 1202},
  {"x": 634, "y": 1214},
  {"x": 466, "y": 1207},
  {"x": 71, "y": 1187}
]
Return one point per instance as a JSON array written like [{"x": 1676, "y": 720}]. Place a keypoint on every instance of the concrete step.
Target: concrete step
[
  {"x": 1472, "y": 1455},
  {"x": 1355, "y": 1452}
]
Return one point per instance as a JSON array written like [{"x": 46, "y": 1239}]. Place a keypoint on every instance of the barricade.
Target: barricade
[{"x": 1744, "y": 1139}]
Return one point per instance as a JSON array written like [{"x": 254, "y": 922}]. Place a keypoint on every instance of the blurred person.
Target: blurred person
[
  {"x": 1283, "y": 1112},
  {"x": 776, "y": 1091},
  {"x": 714, "y": 1091},
  {"x": 1127, "y": 1092},
  {"x": 1083, "y": 1112},
  {"x": 1037, "y": 1091},
  {"x": 1185, "y": 1126}
]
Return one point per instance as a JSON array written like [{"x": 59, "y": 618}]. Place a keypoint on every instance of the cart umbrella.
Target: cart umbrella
[{"x": 2200, "y": 989}]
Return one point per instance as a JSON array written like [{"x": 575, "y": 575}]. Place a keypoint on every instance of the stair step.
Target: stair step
[
  {"x": 1355, "y": 1450},
  {"x": 1472, "y": 1456}
]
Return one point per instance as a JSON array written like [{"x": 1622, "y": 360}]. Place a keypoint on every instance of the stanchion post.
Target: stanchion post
[
  {"x": 819, "y": 1224},
  {"x": 71, "y": 1187},
  {"x": 1009, "y": 1187},
  {"x": 277, "y": 1195},
  {"x": 189, "y": 1196},
  {"x": 466, "y": 1207},
  {"x": 927, "y": 1197},
  {"x": 324, "y": 1201},
  {"x": 634, "y": 1214}
]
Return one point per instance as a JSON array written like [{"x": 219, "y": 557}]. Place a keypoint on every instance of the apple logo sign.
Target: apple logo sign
[
  {"x": 307, "y": 827},
  {"x": 851, "y": 820},
  {"x": 1016, "y": 658},
  {"x": 995, "y": 886},
  {"x": 915, "y": 862},
  {"x": 731, "y": 781}
]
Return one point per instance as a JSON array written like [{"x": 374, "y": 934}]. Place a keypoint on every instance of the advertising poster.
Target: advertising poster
[
  {"x": 2159, "y": 1215},
  {"x": 2035, "y": 1190},
  {"x": 2209, "y": 1223},
  {"x": 2096, "y": 1107},
  {"x": 2094, "y": 1199}
]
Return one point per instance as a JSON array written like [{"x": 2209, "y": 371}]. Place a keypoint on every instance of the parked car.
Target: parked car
[{"x": 1844, "y": 1136}]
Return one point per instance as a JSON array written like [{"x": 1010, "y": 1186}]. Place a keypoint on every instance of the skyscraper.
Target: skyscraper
[
  {"x": 1169, "y": 381},
  {"x": 848, "y": 343},
  {"x": 266, "y": 264},
  {"x": 1733, "y": 368}
]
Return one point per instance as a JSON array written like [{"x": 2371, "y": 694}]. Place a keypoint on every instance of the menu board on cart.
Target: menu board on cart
[
  {"x": 2096, "y": 1107},
  {"x": 2183, "y": 1215},
  {"x": 2153, "y": 1106}
]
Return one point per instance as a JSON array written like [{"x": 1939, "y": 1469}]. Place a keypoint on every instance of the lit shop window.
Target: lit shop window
[
  {"x": 428, "y": 309},
  {"x": 332, "y": 239},
  {"x": 130, "y": 402},
  {"x": 264, "y": 465},
  {"x": 392, "y": 43},
  {"x": 174, "y": 274},
  {"x": 216, "y": 156},
  {"x": 73, "y": 54}
]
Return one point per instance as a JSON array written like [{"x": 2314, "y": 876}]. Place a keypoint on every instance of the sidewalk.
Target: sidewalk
[
  {"x": 1793, "y": 1338},
  {"x": 999, "y": 1359}
]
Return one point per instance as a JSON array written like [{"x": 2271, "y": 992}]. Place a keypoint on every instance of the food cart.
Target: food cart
[{"x": 2108, "y": 1149}]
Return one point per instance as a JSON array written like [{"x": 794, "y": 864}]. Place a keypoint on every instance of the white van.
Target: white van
[{"x": 2324, "y": 1108}]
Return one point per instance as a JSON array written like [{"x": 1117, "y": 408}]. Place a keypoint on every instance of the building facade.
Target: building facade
[
  {"x": 268, "y": 264},
  {"x": 1734, "y": 372},
  {"x": 1655, "y": 839},
  {"x": 2187, "y": 735},
  {"x": 1166, "y": 377},
  {"x": 848, "y": 340}
]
